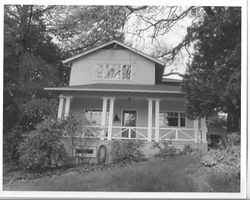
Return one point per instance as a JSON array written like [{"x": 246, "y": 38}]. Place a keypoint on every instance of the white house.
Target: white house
[{"x": 122, "y": 91}]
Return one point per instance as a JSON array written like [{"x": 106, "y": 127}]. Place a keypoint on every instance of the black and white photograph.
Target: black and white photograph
[{"x": 124, "y": 99}]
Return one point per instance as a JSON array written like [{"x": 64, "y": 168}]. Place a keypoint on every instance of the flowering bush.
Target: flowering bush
[{"x": 167, "y": 150}]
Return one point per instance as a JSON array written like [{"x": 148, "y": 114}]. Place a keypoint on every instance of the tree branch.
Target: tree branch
[
  {"x": 134, "y": 9},
  {"x": 208, "y": 10}
]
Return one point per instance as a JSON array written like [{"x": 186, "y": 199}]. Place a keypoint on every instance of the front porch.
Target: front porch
[{"x": 136, "y": 117}]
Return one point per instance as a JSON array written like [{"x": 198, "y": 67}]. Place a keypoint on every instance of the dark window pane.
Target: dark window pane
[
  {"x": 172, "y": 121},
  {"x": 183, "y": 122}
]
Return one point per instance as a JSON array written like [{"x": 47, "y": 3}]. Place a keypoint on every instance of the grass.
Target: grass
[
  {"x": 181, "y": 174},
  {"x": 224, "y": 183},
  {"x": 169, "y": 175}
]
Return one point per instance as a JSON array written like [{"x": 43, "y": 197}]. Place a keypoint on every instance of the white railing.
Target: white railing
[
  {"x": 141, "y": 133},
  {"x": 180, "y": 134},
  {"x": 129, "y": 132}
]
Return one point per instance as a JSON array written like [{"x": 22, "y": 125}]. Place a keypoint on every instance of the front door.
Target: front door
[{"x": 129, "y": 119}]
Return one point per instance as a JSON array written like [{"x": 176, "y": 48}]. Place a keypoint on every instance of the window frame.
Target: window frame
[
  {"x": 121, "y": 67},
  {"x": 92, "y": 109},
  {"x": 179, "y": 119}
]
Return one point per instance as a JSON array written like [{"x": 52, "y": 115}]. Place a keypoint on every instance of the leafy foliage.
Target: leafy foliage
[
  {"x": 78, "y": 133},
  {"x": 212, "y": 82},
  {"x": 36, "y": 110},
  {"x": 225, "y": 161},
  {"x": 166, "y": 150},
  {"x": 123, "y": 151},
  {"x": 42, "y": 148},
  {"x": 78, "y": 28},
  {"x": 10, "y": 144},
  {"x": 31, "y": 60},
  {"x": 232, "y": 139}
]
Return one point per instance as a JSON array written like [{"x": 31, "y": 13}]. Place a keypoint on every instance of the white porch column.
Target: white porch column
[
  {"x": 204, "y": 130},
  {"x": 157, "y": 116},
  {"x": 111, "y": 113},
  {"x": 60, "y": 107},
  {"x": 67, "y": 106},
  {"x": 196, "y": 130},
  {"x": 104, "y": 113},
  {"x": 150, "y": 113}
]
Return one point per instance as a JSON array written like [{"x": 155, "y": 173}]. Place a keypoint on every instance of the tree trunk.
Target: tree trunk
[{"x": 233, "y": 122}]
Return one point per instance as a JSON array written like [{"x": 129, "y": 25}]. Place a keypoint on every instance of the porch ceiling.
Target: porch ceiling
[{"x": 158, "y": 88}]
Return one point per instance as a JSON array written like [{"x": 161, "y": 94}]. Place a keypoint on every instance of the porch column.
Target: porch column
[
  {"x": 111, "y": 111},
  {"x": 67, "y": 106},
  {"x": 104, "y": 113},
  {"x": 196, "y": 130},
  {"x": 157, "y": 116},
  {"x": 60, "y": 107},
  {"x": 150, "y": 113}
]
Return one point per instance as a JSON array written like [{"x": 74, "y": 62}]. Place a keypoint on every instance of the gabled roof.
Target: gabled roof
[
  {"x": 118, "y": 43},
  {"x": 158, "y": 88}
]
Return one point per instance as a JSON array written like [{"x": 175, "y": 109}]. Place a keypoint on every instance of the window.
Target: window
[
  {"x": 112, "y": 72},
  {"x": 94, "y": 116},
  {"x": 176, "y": 119}
]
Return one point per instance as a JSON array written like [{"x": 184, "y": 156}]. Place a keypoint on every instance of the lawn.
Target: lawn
[{"x": 181, "y": 174}]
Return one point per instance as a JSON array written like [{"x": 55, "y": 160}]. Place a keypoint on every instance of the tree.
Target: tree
[
  {"x": 78, "y": 28},
  {"x": 213, "y": 82},
  {"x": 31, "y": 60}
]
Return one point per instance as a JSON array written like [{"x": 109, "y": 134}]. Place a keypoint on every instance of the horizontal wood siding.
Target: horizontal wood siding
[{"x": 143, "y": 70}]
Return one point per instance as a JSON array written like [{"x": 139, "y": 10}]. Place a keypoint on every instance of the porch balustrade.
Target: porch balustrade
[{"x": 141, "y": 133}]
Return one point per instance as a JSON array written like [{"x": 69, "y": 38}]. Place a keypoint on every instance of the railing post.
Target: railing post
[
  {"x": 104, "y": 111},
  {"x": 60, "y": 107},
  {"x": 196, "y": 130},
  {"x": 204, "y": 130},
  {"x": 176, "y": 134},
  {"x": 150, "y": 113},
  {"x": 129, "y": 132},
  {"x": 111, "y": 111}
]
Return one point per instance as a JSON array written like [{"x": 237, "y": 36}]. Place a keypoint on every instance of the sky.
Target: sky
[{"x": 169, "y": 40}]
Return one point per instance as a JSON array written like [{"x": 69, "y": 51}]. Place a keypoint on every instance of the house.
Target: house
[{"x": 122, "y": 91}]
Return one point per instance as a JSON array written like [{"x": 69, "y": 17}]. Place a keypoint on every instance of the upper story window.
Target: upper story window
[{"x": 112, "y": 72}]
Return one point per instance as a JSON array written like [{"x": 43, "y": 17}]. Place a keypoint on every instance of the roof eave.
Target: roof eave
[
  {"x": 114, "y": 90},
  {"x": 119, "y": 43}
]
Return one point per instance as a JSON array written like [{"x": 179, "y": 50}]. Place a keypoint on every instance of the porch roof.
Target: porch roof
[{"x": 158, "y": 88}]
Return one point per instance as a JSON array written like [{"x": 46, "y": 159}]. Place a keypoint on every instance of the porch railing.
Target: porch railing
[
  {"x": 127, "y": 132},
  {"x": 141, "y": 133}
]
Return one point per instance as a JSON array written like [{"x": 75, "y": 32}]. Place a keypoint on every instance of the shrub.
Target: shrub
[
  {"x": 166, "y": 150},
  {"x": 187, "y": 149},
  {"x": 35, "y": 111},
  {"x": 224, "y": 160},
  {"x": 232, "y": 139},
  {"x": 78, "y": 132},
  {"x": 124, "y": 151},
  {"x": 11, "y": 141},
  {"x": 42, "y": 148}
]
